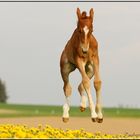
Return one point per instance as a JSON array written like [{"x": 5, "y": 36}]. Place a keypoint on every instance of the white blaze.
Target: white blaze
[
  {"x": 86, "y": 30},
  {"x": 85, "y": 46}
]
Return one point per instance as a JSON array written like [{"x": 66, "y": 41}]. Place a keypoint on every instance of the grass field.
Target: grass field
[{"x": 46, "y": 110}]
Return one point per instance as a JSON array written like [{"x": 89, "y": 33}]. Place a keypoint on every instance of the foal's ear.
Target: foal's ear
[
  {"x": 78, "y": 13},
  {"x": 91, "y": 13}
]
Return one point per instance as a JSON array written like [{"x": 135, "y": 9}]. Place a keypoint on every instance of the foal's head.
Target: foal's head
[{"x": 85, "y": 28}]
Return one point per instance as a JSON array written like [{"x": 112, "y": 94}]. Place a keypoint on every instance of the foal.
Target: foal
[{"x": 81, "y": 52}]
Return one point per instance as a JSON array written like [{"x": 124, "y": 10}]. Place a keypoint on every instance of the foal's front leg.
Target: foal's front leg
[
  {"x": 83, "y": 97},
  {"x": 86, "y": 85},
  {"x": 90, "y": 73}
]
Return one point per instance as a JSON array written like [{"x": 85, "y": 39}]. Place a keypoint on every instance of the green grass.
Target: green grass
[{"x": 46, "y": 110}]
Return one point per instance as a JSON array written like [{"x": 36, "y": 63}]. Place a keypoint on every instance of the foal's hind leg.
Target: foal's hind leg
[
  {"x": 66, "y": 68},
  {"x": 97, "y": 86}
]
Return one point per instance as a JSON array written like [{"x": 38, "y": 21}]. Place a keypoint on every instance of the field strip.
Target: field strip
[
  {"x": 8, "y": 111},
  {"x": 110, "y": 125}
]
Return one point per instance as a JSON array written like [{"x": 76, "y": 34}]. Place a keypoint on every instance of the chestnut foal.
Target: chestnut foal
[{"x": 81, "y": 52}]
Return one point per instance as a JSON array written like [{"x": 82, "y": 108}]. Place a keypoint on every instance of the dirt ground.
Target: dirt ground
[{"x": 110, "y": 125}]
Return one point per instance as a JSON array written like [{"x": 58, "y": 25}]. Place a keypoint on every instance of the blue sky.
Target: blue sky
[{"x": 33, "y": 35}]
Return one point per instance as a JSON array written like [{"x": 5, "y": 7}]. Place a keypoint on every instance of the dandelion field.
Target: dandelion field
[{"x": 23, "y": 131}]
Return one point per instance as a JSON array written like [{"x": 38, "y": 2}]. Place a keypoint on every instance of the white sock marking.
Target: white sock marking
[
  {"x": 83, "y": 100},
  {"x": 66, "y": 109}
]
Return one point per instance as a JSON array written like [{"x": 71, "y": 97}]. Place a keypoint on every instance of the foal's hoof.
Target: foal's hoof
[
  {"x": 99, "y": 120},
  {"x": 94, "y": 119},
  {"x": 65, "y": 120},
  {"x": 82, "y": 109}
]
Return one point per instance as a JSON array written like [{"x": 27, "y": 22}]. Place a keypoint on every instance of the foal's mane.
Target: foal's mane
[{"x": 84, "y": 15}]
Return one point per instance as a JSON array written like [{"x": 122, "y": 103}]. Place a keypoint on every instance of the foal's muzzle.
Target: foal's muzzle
[
  {"x": 84, "y": 50},
  {"x": 84, "y": 47}
]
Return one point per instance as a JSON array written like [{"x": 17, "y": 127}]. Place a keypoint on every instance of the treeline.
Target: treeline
[{"x": 3, "y": 94}]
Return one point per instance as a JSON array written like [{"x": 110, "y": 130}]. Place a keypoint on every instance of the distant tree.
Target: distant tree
[{"x": 3, "y": 94}]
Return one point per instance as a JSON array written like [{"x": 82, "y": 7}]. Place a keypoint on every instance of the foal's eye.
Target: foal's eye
[
  {"x": 91, "y": 31},
  {"x": 81, "y": 30}
]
